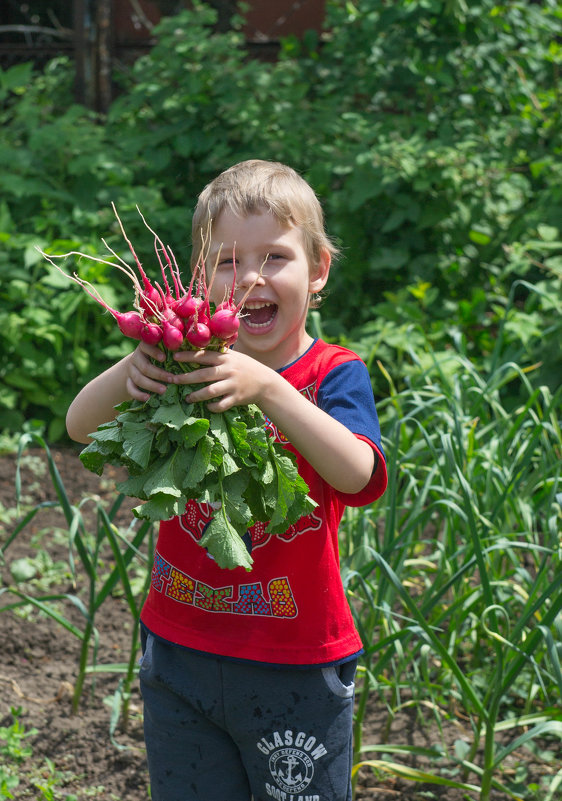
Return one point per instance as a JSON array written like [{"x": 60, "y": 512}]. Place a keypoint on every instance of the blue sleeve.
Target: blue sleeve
[{"x": 346, "y": 394}]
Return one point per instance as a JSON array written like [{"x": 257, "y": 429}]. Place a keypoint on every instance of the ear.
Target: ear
[{"x": 319, "y": 274}]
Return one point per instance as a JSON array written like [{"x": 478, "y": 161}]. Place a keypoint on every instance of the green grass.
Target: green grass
[{"x": 455, "y": 576}]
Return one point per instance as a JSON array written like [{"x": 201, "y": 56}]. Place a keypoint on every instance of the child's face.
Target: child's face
[{"x": 272, "y": 325}]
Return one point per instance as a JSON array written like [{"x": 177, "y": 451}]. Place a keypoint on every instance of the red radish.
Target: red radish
[
  {"x": 229, "y": 303},
  {"x": 198, "y": 335},
  {"x": 225, "y": 323},
  {"x": 145, "y": 300},
  {"x": 149, "y": 293},
  {"x": 150, "y": 300},
  {"x": 226, "y": 304},
  {"x": 201, "y": 317},
  {"x": 171, "y": 317},
  {"x": 151, "y": 334},
  {"x": 172, "y": 337},
  {"x": 130, "y": 324},
  {"x": 188, "y": 306},
  {"x": 173, "y": 268},
  {"x": 167, "y": 296},
  {"x": 177, "y": 320}
]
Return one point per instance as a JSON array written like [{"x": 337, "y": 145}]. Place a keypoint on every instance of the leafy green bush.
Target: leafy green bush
[
  {"x": 430, "y": 129},
  {"x": 56, "y": 178}
]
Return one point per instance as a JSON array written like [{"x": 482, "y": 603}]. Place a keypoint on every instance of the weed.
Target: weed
[
  {"x": 19, "y": 768},
  {"x": 12, "y": 738}
]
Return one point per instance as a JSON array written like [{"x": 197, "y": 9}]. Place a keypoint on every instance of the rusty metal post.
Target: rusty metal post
[
  {"x": 79, "y": 49},
  {"x": 104, "y": 48},
  {"x": 93, "y": 39},
  {"x": 84, "y": 52}
]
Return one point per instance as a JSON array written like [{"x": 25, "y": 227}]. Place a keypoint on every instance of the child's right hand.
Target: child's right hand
[{"x": 144, "y": 377}]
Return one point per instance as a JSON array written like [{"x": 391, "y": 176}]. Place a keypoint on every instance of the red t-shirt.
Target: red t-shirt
[{"x": 291, "y": 608}]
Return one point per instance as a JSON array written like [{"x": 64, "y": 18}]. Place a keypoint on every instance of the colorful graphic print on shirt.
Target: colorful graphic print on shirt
[{"x": 247, "y": 598}]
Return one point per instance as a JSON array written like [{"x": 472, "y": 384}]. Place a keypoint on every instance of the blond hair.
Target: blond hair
[{"x": 254, "y": 186}]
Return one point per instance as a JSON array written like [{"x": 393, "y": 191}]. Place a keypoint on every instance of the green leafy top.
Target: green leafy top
[{"x": 175, "y": 451}]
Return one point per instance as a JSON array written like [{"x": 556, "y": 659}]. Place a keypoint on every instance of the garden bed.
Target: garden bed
[{"x": 73, "y": 754}]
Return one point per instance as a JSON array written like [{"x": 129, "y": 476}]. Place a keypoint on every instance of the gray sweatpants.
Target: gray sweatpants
[{"x": 219, "y": 730}]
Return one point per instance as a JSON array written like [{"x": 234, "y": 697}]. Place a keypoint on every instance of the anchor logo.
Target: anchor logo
[
  {"x": 288, "y": 778},
  {"x": 292, "y": 769}
]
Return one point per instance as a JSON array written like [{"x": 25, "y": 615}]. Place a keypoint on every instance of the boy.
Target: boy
[{"x": 248, "y": 678}]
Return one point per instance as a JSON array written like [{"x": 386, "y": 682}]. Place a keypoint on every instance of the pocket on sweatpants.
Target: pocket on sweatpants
[
  {"x": 145, "y": 661},
  {"x": 340, "y": 679}
]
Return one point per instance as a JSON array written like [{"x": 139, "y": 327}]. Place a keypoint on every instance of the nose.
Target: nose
[{"x": 249, "y": 275}]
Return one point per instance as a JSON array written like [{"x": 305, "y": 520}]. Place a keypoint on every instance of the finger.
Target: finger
[
  {"x": 221, "y": 405},
  {"x": 141, "y": 366},
  {"x": 202, "y": 375},
  {"x": 151, "y": 350},
  {"x": 135, "y": 393},
  {"x": 147, "y": 367},
  {"x": 202, "y": 394},
  {"x": 153, "y": 381},
  {"x": 211, "y": 391},
  {"x": 198, "y": 356}
]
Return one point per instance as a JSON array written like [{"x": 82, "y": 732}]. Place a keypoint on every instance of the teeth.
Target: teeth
[{"x": 255, "y": 305}]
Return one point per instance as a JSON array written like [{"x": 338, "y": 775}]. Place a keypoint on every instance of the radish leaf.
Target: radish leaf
[{"x": 228, "y": 460}]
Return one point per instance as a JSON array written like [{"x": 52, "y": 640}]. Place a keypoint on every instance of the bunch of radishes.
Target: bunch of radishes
[{"x": 178, "y": 319}]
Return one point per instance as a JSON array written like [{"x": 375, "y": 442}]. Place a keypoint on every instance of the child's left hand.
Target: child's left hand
[{"x": 232, "y": 378}]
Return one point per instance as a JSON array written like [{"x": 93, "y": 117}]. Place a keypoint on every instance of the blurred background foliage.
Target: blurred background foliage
[{"x": 430, "y": 129}]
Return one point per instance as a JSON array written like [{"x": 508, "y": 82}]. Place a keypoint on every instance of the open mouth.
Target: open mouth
[{"x": 256, "y": 315}]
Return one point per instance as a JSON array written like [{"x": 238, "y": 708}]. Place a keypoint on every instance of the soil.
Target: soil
[{"x": 39, "y": 660}]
